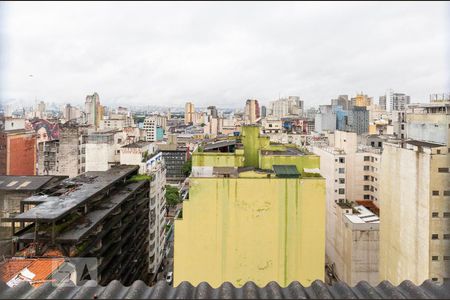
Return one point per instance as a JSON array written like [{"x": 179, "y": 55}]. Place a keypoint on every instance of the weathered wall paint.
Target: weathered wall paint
[{"x": 251, "y": 229}]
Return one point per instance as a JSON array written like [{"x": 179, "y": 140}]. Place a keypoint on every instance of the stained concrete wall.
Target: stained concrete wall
[{"x": 251, "y": 229}]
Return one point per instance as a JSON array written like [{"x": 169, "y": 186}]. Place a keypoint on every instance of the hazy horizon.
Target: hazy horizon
[{"x": 221, "y": 53}]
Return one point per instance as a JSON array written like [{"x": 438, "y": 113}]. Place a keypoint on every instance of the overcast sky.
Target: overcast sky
[{"x": 221, "y": 53}]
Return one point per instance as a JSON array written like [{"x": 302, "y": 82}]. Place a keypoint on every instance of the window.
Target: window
[
  {"x": 446, "y": 257},
  {"x": 366, "y": 178},
  {"x": 366, "y": 158},
  {"x": 446, "y": 193},
  {"x": 341, "y": 180},
  {"x": 447, "y": 215},
  {"x": 435, "y": 215},
  {"x": 434, "y": 279},
  {"x": 434, "y": 236},
  {"x": 372, "y": 144},
  {"x": 403, "y": 126},
  {"x": 366, "y": 197},
  {"x": 434, "y": 258},
  {"x": 342, "y": 160},
  {"x": 371, "y": 159},
  {"x": 341, "y": 170},
  {"x": 380, "y": 144},
  {"x": 446, "y": 236},
  {"x": 443, "y": 170},
  {"x": 366, "y": 187},
  {"x": 366, "y": 168},
  {"x": 341, "y": 191},
  {"x": 435, "y": 193},
  {"x": 438, "y": 151}
]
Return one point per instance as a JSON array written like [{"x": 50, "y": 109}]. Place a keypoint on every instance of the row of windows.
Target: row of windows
[
  {"x": 446, "y": 193},
  {"x": 443, "y": 170},
  {"x": 435, "y": 258},
  {"x": 435, "y": 236},
  {"x": 436, "y": 215}
]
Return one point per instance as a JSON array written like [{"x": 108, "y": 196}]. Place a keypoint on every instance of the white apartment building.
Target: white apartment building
[
  {"x": 351, "y": 175},
  {"x": 155, "y": 167},
  {"x": 291, "y": 106},
  {"x": 356, "y": 245},
  {"x": 137, "y": 153},
  {"x": 103, "y": 149},
  {"x": 116, "y": 121},
  {"x": 272, "y": 125}
]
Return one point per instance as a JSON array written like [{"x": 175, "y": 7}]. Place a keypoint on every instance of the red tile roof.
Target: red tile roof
[{"x": 41, "y": 267}]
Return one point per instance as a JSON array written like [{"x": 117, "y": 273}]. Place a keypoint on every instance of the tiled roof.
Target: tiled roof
[
  {"x": 318, "y": 289},
  {"x": 42, "y": 268}
]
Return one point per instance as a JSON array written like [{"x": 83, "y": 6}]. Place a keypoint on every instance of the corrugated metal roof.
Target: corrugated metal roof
[{"x": 318, "y": 289}]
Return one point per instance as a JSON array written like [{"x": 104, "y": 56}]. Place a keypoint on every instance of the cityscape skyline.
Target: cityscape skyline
[{"x": 247, "y": 52}]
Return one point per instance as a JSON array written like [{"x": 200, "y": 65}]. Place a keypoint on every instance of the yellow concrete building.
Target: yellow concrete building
[{"x": 256, "y": 212}]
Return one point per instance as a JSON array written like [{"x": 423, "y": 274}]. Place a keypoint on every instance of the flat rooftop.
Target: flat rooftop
[
  {"x": 23, "y": 183},
  {"x": 424, "y": 144},
  {"x": 80, "y": 190},
  {"x": 138, "y": 144},
  {"x": 363, "y": 216},
  {"x": 288, "y": 151}
]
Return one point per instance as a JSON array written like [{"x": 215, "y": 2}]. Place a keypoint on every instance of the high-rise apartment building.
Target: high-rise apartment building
[
  {"x": 156, "y": 168},
  {"x": 93, "y": 110},
  {"x": 256, "y": 211},
  {"x": 382, "y": 102},
  {"x": 361, "y": 100},
  {"x": 291, "y": 106},
  {"x": 399, "y": 101},
  {"x": 252, "y": 113},
  {"x": 414, "y": 198},
  {"x": 153, "y": 127},
  {"x": 102, "y": 215},
  {"x": 358, "y": 120},
  {"x": 189, "y": 113}
]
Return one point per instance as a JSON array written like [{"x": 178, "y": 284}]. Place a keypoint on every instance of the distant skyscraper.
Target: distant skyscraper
[
  {"x": 342, "y": 100},
  {"x": 189, "y": 113},
  {"x": 358, "y": 120},
  {"x": 263, "y": 111},
  {"x": 291, "y": 106},
  {"x": 361, "y": 100},
  {"x": 398, "y": 101},
  {"x": 252, "y": 113},
  {"x": 212, "y": 111},
  {"x": 382, "y": 102},
  {"x": 93, "y": 110}
]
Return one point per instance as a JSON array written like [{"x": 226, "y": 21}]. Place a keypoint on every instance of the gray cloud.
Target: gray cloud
[{"x": 221, "y": 53}]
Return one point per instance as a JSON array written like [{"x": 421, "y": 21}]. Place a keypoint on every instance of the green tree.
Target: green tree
[
  {"x": 172, "y": 195},
  {"x": 187, "y": 167}
]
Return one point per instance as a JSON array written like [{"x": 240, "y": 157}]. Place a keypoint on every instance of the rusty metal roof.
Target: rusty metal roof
[{"x": 318, "y": 289}]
